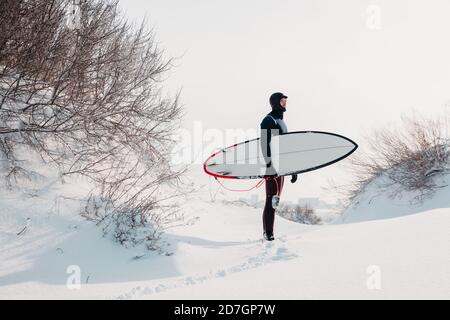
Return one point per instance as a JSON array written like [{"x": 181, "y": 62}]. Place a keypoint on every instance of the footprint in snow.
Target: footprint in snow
[{"x": 270, "y": 252}]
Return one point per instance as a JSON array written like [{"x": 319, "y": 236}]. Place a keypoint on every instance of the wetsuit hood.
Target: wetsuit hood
[{"x": 277, "y": 109}]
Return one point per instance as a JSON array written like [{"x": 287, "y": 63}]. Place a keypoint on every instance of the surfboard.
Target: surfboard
[{"x": 292, "y": 153}]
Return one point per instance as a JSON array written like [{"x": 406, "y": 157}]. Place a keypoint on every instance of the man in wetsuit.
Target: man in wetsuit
[{"x": 272, "y": 124}]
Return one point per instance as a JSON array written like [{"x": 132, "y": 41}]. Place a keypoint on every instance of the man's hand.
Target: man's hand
[
  {"x": 270, "y": 171},
  {"x": 294, "y": 178}
]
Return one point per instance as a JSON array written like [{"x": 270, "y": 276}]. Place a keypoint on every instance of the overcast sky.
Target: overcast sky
[{"x": 347, "y": 66}]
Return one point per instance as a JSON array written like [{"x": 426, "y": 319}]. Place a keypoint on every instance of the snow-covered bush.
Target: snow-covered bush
[
  {"x": 133, "y": 225},
  {"x": 297, "y": 213},
  {"x": 409, "y": 158},
  {"x": 87, "y": 97}
]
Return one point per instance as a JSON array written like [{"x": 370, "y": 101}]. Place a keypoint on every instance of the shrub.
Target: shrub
[
  {"x": 87, "y": 97},
  {"x": 409, "y": 158},
  {"x": 297, "y": 213}
]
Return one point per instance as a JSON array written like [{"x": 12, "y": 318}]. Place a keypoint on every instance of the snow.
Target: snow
[
  {"x": 381, "y": 248},
  {"x": 381, "y": 202}
]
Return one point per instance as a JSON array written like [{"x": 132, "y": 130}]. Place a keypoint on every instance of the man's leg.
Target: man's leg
[
  {"x": 269, "y": 211},
  {"x": 281, "y": 185}
]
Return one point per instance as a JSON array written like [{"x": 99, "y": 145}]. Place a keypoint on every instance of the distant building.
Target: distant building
[{"x": 253, "y": 199}]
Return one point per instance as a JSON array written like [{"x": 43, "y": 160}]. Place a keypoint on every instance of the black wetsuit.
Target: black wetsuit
[{"x": 272, "y": 124}]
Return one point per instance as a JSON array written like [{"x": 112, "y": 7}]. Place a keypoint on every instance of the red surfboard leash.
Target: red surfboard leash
[{"x": 259, "y": 184}]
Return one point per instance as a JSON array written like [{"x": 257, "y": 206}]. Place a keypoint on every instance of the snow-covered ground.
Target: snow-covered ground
[{"x": 381, "y": 249}]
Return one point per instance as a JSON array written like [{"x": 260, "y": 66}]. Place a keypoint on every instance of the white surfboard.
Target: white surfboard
[{"x": 292, "y": 153}]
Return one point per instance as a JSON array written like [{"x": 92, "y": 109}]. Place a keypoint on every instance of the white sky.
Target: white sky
[{"x": 340, "y": 75}]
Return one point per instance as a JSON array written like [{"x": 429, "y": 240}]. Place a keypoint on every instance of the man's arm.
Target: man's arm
[{"x": 267, "y": 125}]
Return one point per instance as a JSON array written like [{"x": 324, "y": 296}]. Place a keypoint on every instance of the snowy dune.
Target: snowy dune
[{"x": 386, "y": 252}]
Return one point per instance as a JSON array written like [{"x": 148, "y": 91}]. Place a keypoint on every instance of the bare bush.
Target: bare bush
[
  {"x": 89, "y": 99},
  {"x": 297, "y": 213},
  {"x": 409, "y": 157}
]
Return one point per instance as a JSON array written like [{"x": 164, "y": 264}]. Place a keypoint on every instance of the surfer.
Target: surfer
[{"x": 272, "y": 124}]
